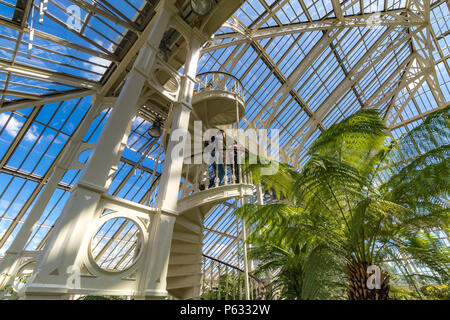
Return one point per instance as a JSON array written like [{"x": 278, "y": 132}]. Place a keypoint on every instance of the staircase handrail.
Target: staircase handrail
[{"x": 238, "y": 87}]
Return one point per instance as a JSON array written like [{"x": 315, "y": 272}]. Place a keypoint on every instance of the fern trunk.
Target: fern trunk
[{"x": 357, "y": 284}]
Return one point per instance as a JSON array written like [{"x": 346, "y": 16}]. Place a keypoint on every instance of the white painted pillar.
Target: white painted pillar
[
  {"x": 9, "y": 263},
  {"x": 246, "y": 263},
  {"x": 259, "y": 195},
  {"x": 259, "y": 201},
  {"x": 63, "y": 246},
  {"x": 152, "y": 281}
]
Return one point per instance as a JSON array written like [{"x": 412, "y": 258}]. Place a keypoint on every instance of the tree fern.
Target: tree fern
[{"x": 343, "y": 212}]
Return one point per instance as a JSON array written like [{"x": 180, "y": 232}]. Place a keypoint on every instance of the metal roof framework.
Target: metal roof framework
[{"x": 304, "y": 65}]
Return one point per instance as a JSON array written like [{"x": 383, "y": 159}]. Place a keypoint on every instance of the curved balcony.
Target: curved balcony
[
  {"x": 218, "y": 99},
  {"x": 205, "y": 185}
]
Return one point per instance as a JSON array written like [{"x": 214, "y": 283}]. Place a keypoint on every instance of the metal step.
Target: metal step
[
  {"x": 184, "y": 247},
  {"x": 192, "y": 293},
  {"x": 187, "y": 237},
  {"x": 182, "y": 270},
  {"x": 187, "y": 225},
  {"x": 177, "y": 259},
  {"x": 187, "y": 281}
]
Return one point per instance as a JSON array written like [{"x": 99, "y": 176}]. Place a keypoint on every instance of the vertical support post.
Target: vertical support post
[
  {"x": 152, "y": 280},
  {"x": 244, "y": 244},
  {"x": 259, "y": 195},
  {"x": 219, "y": 297},
  {"x": 9, "y": 263},
  {"x": 62, "y": 251},
  {"x": 238, "y": 151},
  {"x": 154, "y": 172},
  {"x": 203, "y": 276},
  {"x": 211, "y": 280},
  {"x": 227, "y": 280}
]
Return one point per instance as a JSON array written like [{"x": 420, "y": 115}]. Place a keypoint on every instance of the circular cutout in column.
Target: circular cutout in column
[{"x": 116, "y": 245}]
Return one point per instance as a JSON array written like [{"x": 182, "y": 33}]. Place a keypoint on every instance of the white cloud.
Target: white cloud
[
  {"x": 99, "y": 66},
  {"x": 32, "y": 134},
  {"x": 3, "y": 205},
  {"x": 13, "y": 127}
]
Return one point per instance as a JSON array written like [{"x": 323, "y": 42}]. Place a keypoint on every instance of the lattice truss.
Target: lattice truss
[{"x": 304, "y": 65}]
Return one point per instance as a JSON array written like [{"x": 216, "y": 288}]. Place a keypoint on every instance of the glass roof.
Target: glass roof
[{"x": 304, "y": 65}]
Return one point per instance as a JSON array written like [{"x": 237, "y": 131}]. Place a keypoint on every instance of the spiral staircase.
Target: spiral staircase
[
  {"x": 218, "y": 103},
  {"x": 184, "y": 276}
]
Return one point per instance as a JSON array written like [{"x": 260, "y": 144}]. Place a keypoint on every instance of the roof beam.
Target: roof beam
[
  {"x": 16, "y": 105},
  {"x": 337, "y": 10},
  {"x": 73, "y": 31},
  {"x": 73, "y": 45},
  {"x": 422, "y": 116},
  {"x": 412, "y": 83},
  {"x": 49, "y": 37},
  {"x": 47, "y": 75},
  {"x": 95, "y": 10},
  {"x": 384, "y": 92},
  {"x": 225, "y": 234},
  {"x": 366, "y": 63},
  {"x": 396, "y": 18},
  {"x": 26, "y": 13},
  {"x": 423, "y": 45},
  {"x": 30, "y": 177},
  {"x": 276, "y": 100},
  {"x": 20, "y": 94},
  {"x": 270, "y": 12},
  {"x": 218, "y": 219}
]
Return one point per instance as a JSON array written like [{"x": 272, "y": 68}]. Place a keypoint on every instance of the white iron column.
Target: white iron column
[
  {"x": 62, "y": 248},
  {"x": 244, "y": 244},
  {"x": 152, "y": 281},
  {"x": 259, "y": 195},
  {"x": 9, "y": 263}
]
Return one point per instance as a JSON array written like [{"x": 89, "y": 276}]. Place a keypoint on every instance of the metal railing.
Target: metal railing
[
  {"x": 223, "y": 281},
  {"x": 204, "y": 176},
  {"x": 218, "y": 80}
]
